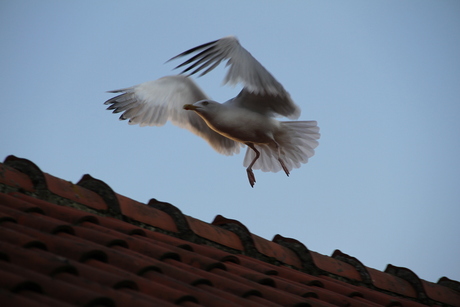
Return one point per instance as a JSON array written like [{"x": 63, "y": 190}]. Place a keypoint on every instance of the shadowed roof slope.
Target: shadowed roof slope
[{"x": 66, "y": 244}]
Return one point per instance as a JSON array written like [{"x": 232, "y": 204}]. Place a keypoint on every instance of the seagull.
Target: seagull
[{"x": 247, "y": 119}]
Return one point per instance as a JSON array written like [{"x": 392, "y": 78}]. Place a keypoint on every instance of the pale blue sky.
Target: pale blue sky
[{"x": 382, "y": 78}]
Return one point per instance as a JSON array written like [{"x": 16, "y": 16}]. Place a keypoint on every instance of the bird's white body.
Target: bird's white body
[
  {"x": 248, "y": 119},
  {"x": 239, "y": 124}
]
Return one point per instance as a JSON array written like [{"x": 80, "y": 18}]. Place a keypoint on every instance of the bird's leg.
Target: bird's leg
[
  {"x": 251, "y": 177},
  {"x": 279, "y": 158}
]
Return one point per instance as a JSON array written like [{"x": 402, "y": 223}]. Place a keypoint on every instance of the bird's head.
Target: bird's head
[{"x": 202, "y": 106}]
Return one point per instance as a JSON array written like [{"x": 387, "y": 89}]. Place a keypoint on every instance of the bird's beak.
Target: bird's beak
[{"x": 190, "y": 107}]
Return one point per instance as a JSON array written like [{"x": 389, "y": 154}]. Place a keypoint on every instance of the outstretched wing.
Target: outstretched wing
[
  {"x": 262, "y": 92},
  {"x": 155, "y": 102}
]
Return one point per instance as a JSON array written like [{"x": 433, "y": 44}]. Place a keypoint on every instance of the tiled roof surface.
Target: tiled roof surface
[{"x": 66, "y": 244}]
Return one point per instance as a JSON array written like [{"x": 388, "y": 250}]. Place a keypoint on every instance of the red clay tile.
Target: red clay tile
[
  {"x": 372, "y": 296},
  {"x": 319, "y": 303},
  {"x": 148, "y": 215},
  {"x": 186, "y": 256},
  {"x": 28, "y": 168},
  {"x": 366, "y": 302},
  {"x": 67, "y": 214},
  {"x": 204, "y": 298},
  {"x": 263, "y": 301},
  {"x": 38, "y": 260},
  {"x": 19, "y": 299},
  {"x": 449, "y": 283},
  {"x": 15, "y": 283},
  {"x": 55, "y": 264},
  {"x": 250, "y": 274},
  {"x": 15, "y": 179},
  {"x": 120, "y": 226},
  {"x": 49, "y": 264},
  {"x": 391, "y": 283},
  {"x": 303, "y": 290},
  {"x": 63, "y": 244},
  {"x": 297, "y": 276},
  {"x": 279, "y": 252},
  {"x": 99, "y": 237},
  {"x": 16, "y": 237},
  {"x": 230, "y": 299},
  {"x": 181, "y": 271},
  {"x": 130, "y": 261},
  {"x": 17, "y": 204},
  {"x": 335, "y": 266},
  {"x": 256, "y": 265},
  {"x": 42, "y": 299},
  {"x": 67, "y": 189},
  {"x": 167, "y": 289},
  {"x": 268, "y": 292},
  {"x": 358, "y": 265},
  {"x": 4, "y": 217},
  {"x": 337, "y": 286},
  {"x": 441, "y": 294},
  {"x": 150, "y": 249},
  {"x": 39, "y": 221},
  {"x": 215, "y": 234},
  {"x": 332, "y": 297},
  {"x": 219, "y": 281},
  {"x": 57, "y": 289},
  {"x": 170, "y": 240},
  {"x": 122, "y": 297},
  {"x": 385, "y": 299}
]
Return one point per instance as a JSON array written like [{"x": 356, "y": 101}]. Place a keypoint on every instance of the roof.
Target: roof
[{"x": 66, "y": 244}]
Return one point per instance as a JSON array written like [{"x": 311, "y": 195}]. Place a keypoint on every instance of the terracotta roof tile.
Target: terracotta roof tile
[
  {"x": 15, "y": 179},
  {"x": 65, "y": 244},
  {"x": 335, "y": 266},
  {"x": 213, "y": 233}
]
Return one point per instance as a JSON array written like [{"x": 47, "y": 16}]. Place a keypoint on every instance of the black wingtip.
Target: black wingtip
[{"x": 191, "y": 51}]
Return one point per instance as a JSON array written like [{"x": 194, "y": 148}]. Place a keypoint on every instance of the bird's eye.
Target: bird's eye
[{"x": 205, "y": 103}]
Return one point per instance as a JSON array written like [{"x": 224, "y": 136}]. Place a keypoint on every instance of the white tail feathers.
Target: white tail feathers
[{"x": 297, "y": 141}]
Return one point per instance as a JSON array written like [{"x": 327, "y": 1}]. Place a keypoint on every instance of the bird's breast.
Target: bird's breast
[{"x": 243, "y": 125}]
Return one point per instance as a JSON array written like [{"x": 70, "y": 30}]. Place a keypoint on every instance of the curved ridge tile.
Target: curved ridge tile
[
  {"x": 408, "y": 276},
  {"x": 441, "y": 294},
  {"x": 240, "y": 230},
  {"x": 254, "y": 244},
  {"x": 301, "y": 251},
  {"x": 73, "y": 192},
  {"x": 277, "y": 251},
  {"x": 215, "y": 234},
  {"x": 426, "y": 290},
  {"x": 15, "y": 179},
  {"x": 365, "y": 277},
  {"x": 177, "y": 216},
  {"x": 452, "y": 284},
  {"x": 29, "y": 168},
  {"x": 103, "y": 190},
  {"x": 335, "y": 266},
  {"x": 147, "y": 214},
  {"x": 391, "y": 283},
  {"x": 120, "y": 206}
]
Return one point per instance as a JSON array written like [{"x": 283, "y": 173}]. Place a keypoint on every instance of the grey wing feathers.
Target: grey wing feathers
[
  {"x": 153, "y": 103},
  {"x": 243, "y": 68}
]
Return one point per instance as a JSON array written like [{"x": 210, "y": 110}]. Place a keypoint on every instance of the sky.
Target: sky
[{"x": 382, "y": 78}]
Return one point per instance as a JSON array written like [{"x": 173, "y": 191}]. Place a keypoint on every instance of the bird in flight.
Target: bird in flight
[{"x": 247, "y": 119}]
